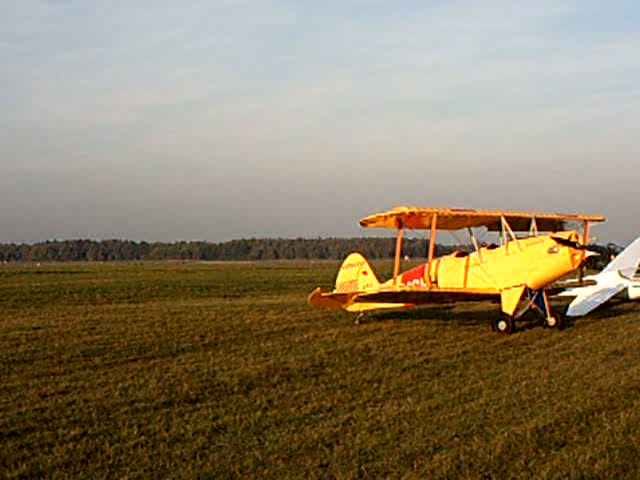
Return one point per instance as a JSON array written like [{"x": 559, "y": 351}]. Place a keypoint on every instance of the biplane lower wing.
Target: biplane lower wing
[
  {"x": 395, "y": 298},
  {"x": 420, "y": 296}
]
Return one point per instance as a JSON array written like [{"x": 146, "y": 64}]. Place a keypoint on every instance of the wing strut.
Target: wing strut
[
  {"x": 585, "y": 240},
  {"x": 506, "y": 228},
  {"x": 396, "y": 264},
  {"x": 475, "y": 243},
  {"x": 432, "y": 244}
]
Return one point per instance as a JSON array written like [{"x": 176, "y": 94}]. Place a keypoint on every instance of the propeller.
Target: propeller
[
  {"x": 594, "y": 249},
  {"x": 590, "y": 249}
]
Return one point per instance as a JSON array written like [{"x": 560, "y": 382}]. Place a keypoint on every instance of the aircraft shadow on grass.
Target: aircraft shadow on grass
[
  {"x": 438, "y": 314},
  {"x": 452, "y": 314}
]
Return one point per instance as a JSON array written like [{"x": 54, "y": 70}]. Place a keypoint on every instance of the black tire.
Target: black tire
[
  {"x": 504, "y": 325},
  {"x": 556, "y": 321}
]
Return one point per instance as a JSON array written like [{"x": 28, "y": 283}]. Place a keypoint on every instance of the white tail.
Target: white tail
[
  {"x": 609, "y": 282},
  {"x": 628, "y": 260}
]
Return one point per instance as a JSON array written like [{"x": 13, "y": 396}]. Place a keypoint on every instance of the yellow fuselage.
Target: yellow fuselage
[
  {"x": 505, "y": 271},
  {"x": 532, "y": 262}
]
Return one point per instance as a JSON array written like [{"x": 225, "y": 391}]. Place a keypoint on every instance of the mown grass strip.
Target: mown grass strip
[{"x": 221, "y": 370}]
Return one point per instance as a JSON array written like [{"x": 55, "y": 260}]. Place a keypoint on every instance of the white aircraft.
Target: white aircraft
[{"x": 616, "y": 280}]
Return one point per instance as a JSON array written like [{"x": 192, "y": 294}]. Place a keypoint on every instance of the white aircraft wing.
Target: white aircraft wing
[{"x": 583, "y": 304}]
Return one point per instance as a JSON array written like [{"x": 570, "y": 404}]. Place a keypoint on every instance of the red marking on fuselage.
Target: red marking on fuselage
[{"x": 414, "y": 277}]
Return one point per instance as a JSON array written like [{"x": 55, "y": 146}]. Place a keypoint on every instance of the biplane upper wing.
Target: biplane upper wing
[{"x": 455, "y": 219}]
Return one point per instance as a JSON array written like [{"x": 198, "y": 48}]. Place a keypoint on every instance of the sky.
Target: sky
[{"x": 215, "y": 120}]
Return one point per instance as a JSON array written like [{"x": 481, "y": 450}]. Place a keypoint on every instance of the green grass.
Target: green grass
[{"x": 219, "y": 370}]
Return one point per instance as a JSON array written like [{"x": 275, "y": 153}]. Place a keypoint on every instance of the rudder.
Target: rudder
[{"x": 355, "y": 275}]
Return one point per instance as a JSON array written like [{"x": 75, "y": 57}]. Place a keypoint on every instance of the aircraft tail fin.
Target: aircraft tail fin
[
  {"x": 628, "y": 260},
  {"x": 355, "y": 275}
]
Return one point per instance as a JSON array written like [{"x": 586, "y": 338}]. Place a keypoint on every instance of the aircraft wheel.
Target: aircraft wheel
[
  {"x": 554, "y": 321},
  {"x": 505, "y": 324}
]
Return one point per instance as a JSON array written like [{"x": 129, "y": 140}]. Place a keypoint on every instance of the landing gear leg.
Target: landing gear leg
[
  {"x": 541, "y": 302},
  {"x": 359, "y": 318}
]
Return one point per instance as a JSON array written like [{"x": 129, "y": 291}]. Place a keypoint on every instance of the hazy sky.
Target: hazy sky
[{"x": 213, "y": 120}]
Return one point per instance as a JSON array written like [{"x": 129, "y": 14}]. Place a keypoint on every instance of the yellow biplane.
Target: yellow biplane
[{"x": 515, "y": 273}]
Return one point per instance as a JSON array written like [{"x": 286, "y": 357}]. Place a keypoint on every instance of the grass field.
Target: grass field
[{"x": 169, "y": 370}]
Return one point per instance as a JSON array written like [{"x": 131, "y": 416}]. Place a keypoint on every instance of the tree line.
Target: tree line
[{"x": 243, "y": 249}]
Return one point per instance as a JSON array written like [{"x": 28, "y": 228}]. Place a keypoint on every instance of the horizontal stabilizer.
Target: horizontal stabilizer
[
  {"x": 348, "y": 301},
  {"x": 320, "y": 299},
  {"x": 582, "y": 305}
]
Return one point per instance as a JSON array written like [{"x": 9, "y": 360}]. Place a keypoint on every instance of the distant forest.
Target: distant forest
[{"x": 245, "y": 249}]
